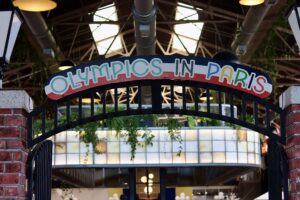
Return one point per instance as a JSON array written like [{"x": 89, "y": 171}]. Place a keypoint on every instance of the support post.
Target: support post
[
  {"x": 14, "y": 106},
  {"x": 132, "y": 184},
  {"x": 290, "y": 102},
  {"x": 162, "y": 177}
]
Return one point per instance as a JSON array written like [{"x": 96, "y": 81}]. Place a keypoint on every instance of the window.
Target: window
[
  {"x": 104, "y": 34},
  {"x": 188, "y": 38}
]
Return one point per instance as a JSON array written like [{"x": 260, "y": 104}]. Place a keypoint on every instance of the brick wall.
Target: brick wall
[
  {"x": 290, "y": 101},
  {"x": 293, "y": 149},
  {"x": 13, "y": 153}
]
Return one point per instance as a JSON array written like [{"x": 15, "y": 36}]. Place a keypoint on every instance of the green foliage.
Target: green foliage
[{"x": 174, "y": 127}]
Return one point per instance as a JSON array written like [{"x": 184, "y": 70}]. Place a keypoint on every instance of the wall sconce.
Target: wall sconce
[
  {"x": 10, "y": 24},
  {"x": 294, "y": 21}
]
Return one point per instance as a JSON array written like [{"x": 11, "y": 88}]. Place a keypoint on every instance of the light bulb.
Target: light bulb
[
  {"x": 144, "y": 179},
  {"x": 151, "y": 176}
]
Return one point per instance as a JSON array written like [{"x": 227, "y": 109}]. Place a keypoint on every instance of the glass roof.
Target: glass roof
[
  {"x": 106, "y": 35},
  {"x": 187, "y": 34}
]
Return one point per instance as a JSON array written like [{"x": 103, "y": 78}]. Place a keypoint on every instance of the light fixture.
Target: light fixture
[
  {"x": 150, "y": 182},
  {"x": 10, "y": 24},
  {"x": 294, "y": 21},
  {"x": 66, "y": 64},
  {"x": 251, "y": 2},
  {"x": 89, "y": 101},
  {"x": 144, "y": 179},
  {"x": 150, "y": 190},
  {"x": 203, "y": 97},
  {"x": 151, "y": 176},
  {"x": 35, "y": 5}
]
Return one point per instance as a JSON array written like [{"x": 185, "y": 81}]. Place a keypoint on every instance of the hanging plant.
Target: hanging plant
[
  {"x": 174, "y": 127},
  {"x": 128, "y": 127}
]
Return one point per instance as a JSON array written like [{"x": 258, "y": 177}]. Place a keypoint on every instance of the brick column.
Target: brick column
[
  {"x": 14, "y": 106},
  {"x": 290, "y": 101}
]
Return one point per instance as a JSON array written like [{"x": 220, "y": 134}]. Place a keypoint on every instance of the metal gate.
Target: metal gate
[
  {"x": 40, "y": 186},
  {"x": 39, "y": 171}
]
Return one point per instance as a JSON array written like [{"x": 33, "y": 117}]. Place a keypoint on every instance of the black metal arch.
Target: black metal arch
[{"x": 157, "y": 107}]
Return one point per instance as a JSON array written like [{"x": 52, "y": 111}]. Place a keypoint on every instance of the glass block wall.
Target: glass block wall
[{"x": 200, "y": 146}]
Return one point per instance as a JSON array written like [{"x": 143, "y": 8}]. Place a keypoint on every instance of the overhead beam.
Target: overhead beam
[{"x": 76, "y": 23}]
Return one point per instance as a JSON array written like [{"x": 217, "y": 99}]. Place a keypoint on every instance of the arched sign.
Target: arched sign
[{"x": 104, "y": 72}]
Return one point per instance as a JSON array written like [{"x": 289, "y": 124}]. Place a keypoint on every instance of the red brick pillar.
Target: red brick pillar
[
  {"x": 14, "y": 106},
  {"x": 290, "y": 101}
]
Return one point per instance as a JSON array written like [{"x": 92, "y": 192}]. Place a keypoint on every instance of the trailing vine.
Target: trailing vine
[
  {"x": 129, "y": 128},
  {"x": 174, "y": 127}
]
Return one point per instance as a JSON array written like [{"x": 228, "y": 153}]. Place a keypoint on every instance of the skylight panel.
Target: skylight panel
[
  {"x": 104, "y": 34},
  {"x": 187, "y": 34}
]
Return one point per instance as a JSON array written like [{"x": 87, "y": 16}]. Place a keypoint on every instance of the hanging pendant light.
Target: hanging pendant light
[
  {"x": 251, "y": 2},
  {"x": 294, "y": 20},
  {"x": 35, "y": 5}
]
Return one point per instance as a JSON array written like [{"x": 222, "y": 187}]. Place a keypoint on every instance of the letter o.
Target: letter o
[{"x": 59, "y": 84}]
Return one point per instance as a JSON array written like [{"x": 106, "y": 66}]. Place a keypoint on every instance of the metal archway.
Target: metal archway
[{"x": 262, "y": 115}]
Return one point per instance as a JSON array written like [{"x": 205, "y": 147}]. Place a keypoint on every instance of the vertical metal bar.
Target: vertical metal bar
[
  {"x": 147, "y": 175},
  {"x": 283, "y": 126},
  {"x": 104, "y": 101},
  {"x": 127, "y": 98},
  {"x": 162, "y": 181},
  {"x": 172, "y": 97},
  {"x": 183, "y": 98},
  {"x": 208, "y": 100},
  {"x": 156, "y": 97},
  {"x": 92, "y": 104},
  {"x": 43, "y": 121},
  {"x": 196, "y": 99},
  {"x": 132, "y": 184},
  {"x": 116, "y": 99},
  {"x": 255, "y": 113},
  {"x": 220, "y": 102},
  {"x": 231, "y": 106},
  {"x": 68, "y": 111},
  {"x": 30, "y": 179},
  {"x": 55, "y": 115},
  {"x": 243, "y": 108},
  {"x": 274, "y": 181},
  {"x": 139, "y": 97},
  {"x": 268, "y": 117},
  {"x": 80, "y": 108}
]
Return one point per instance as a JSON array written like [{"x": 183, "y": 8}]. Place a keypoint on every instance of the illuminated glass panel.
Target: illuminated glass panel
[
  {"x": 218, "y": 134},
  {"x": 219, "y": 157},
  {"x": 60, "y": 137},
  {"x": 191, "y": 146},
  {"x": 73, "y": 159},
  {"x": 191, "y": 135},
  {"x": 125, "y": 158},
  {"x": 231, "y": 146},
  {"x": 205, "y": 146},
  {"x": 100, "y": 158},
  {"x": 231, "y": 157},
  {"x": 152, "y": 158},
  {"x": 72, "y": 147},
  {"x": 218, "y": 145},
  {"x": 205, "y": 158},
  {"x": 205, "y": 134},
  {"x": 230, "y": 134},
  {"x": 60, "y": 159},
  {"x": 210, "y": 146},
  {"x": 242, "y": 157}
]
